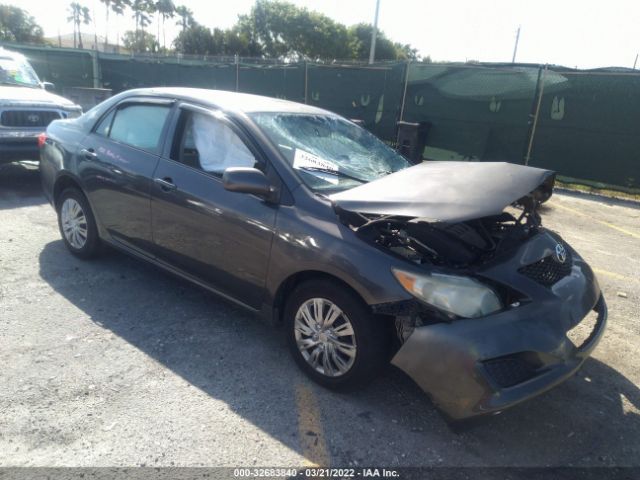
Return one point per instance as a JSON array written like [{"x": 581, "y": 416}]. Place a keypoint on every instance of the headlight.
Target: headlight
[{"x": 462, "y": 296}]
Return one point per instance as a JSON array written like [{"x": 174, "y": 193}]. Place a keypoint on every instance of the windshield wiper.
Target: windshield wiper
[
  {"x": 18, "y": 84},
  {"x": 334, "y": 172}
]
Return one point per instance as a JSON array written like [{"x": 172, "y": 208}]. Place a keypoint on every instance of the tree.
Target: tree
[
  {"x": 118, "y": 7},
  {"x": 142, "y": 10},
  {"x": 16, "y": 25},
  {"x": 166, "y": 9},
  {"x": 78, "y": 15},
  {"x": 237, "y": 42},
  {"x": 107, "y": 6},
  {"x": 385, "y": 48},
  {"x": 284, "y": 30},
  {"x": 197, "y": 40},
  {"x": 140, "y": 41},
  {"x": 200, "y": 40},
  {"x": 186, "y": 17}
]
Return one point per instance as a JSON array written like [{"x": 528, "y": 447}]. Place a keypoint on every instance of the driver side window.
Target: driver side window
[{"x": 209, "y": 144}]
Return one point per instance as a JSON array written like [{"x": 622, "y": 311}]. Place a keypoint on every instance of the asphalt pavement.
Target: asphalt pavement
[{"x": 114, "y": 363}]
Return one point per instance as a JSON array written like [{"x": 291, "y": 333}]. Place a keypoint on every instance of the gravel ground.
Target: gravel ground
[{"x": 114, "y": 363}]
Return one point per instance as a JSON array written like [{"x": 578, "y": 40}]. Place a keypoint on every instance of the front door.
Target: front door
[{"x": 221, "y": 237}]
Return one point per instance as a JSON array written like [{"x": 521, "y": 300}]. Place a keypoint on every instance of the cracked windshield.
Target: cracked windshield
[
  {"x": 15, "y": 72},
  {"x": 330, "y": 154}
]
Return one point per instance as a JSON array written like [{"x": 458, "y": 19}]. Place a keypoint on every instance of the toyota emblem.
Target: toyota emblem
[
  {"x": 33, "y": 118},
  {"x": 561, "y": 253}
]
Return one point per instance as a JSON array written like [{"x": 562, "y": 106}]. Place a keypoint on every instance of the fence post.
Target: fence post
[
  {"x": 306, "y": 72},
  {"x": 540, "y": 90},
  {"x": 404, "y": 90},
  {"x": 404, "y": 97},
  {"x": 95, "y": 69},
  {"x": 237, "y": 73}
]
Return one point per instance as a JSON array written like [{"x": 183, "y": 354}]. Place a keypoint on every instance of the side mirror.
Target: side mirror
[
  {"x": 48, "y": 86},
  {"x": 248, "y": 180}
]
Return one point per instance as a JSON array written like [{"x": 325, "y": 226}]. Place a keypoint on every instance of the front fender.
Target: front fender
[{"x": 305, "y": 242}]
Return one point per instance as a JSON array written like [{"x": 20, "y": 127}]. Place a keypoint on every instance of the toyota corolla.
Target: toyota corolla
[{"x": 303, "y": 217}]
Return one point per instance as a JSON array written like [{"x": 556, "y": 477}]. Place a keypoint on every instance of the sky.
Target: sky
[{"x": 583, "y": 34}]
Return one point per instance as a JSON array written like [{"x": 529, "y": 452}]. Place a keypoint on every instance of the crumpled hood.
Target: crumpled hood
[
  {"x": 10, "y": 95},
  {"x": 448, "y": 191}
]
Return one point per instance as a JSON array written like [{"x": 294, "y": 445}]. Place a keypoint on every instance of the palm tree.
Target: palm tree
[
  {"x": 186, "y": 17},
  {"x": 107, "y": 7},
  {"x": 166, "y": 9},
  {"x": 141, "y": 8},
  {"x": 118, "y": 7},
  {"x": 78, "y": 15}
]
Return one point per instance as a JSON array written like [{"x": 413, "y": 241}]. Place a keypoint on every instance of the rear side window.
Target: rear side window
[{"x": 138, "y": 125}]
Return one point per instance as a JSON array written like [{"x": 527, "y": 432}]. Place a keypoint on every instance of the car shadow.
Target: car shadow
[
  {"x": 592, "y": 419},
  {"x": 20, "y": 185}
]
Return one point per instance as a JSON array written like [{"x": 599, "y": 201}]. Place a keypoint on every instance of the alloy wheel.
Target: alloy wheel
[
  {"x": 325, "y": 337},
  {"x": 74, "y": 223}
]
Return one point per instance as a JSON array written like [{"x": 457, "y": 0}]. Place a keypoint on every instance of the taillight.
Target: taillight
[{"x": 42, "y": 139}]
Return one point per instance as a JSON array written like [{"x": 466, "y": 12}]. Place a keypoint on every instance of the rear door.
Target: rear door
[
  {"x": 117, "y": 162},
  {"x": 223, "y": 238}
]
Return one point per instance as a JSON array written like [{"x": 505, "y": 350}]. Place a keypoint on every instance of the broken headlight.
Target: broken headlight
[{"x": 462, "y": 296}]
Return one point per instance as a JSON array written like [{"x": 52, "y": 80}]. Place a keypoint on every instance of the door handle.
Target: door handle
[
  {"x": 89, "y": 153},
  {"x": 165, "y": 183}
]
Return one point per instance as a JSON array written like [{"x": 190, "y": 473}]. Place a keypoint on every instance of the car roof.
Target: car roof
[
  {"x": 230, "y": 101},
  {"x": 11, "y": 54}
]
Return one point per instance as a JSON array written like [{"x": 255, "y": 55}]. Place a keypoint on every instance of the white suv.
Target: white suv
[{"x": 26, "y": 108}]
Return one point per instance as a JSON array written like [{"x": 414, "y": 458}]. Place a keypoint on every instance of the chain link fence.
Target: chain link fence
[{"x": 584, "y": 124}]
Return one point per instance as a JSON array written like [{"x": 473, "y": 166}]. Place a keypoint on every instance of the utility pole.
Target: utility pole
[
  {"x": 635, "y": 62},
  {"x": 374, "y": 34},
  {"x": 515, "y": 48}
]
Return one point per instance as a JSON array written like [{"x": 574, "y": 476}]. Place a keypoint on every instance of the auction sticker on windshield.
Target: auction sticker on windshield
[{"x": 303, "y": 159}]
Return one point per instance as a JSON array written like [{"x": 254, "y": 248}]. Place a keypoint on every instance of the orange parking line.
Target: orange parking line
[
  {"x": 617, "y": 276},
  {"x": 607, "y": 224},
  {"x": 314, "y": 447}
]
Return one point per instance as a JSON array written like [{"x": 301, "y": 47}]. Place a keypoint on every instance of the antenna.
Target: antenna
[{"x": 515, "y": 47}]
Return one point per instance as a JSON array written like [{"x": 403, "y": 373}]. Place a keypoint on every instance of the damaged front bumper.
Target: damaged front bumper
[{"x": 478, "y": 366}]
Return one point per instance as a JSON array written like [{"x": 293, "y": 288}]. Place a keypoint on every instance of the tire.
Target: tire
[
  {"x": 74, "y": 211},
  {"x": 369, "y": 338}
]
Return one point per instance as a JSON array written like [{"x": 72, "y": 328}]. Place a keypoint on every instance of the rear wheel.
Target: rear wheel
[
  {"x": 333, "y": 337},
  {"x": 77, "y": 224}
]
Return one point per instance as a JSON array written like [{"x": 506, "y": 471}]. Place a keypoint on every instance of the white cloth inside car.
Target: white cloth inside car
[{"x": 218, "y": 146}]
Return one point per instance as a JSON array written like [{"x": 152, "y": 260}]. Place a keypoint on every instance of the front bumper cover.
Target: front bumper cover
[{"x": 451, "y": 360}]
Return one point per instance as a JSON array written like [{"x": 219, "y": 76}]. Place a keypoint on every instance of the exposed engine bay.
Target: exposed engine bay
[
  {"x": 450, "y": 215},
  {"x": 453, "y": 214},
  {"x": 455, "y": 245}
]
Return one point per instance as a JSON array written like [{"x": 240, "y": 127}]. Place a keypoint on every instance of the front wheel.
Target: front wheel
[{"x": 332, "y": 335}]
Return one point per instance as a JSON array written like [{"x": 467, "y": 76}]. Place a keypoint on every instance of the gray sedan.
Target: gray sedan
[{"x": 303, "y": 217}]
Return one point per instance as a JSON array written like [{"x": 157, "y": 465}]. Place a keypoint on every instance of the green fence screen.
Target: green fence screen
[
  {"x": 371, "y": 94},
  {"x": 589, "y": 126},
  {"x": 281, "y": 81},
  {"x": 63, "y": 67},
  {"x": 120, "y": 73},
  {"x": 582, "y": 124},
  {"x": 474, "y": 113}
]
